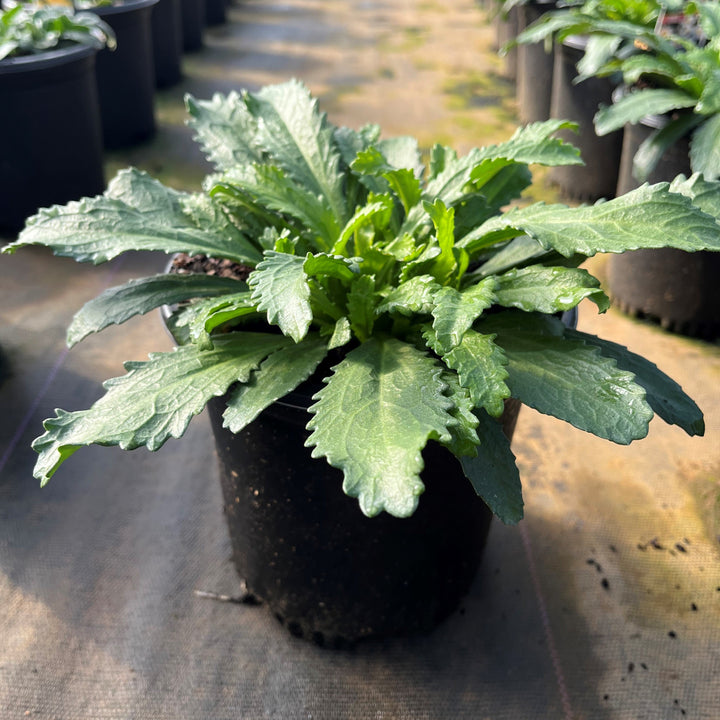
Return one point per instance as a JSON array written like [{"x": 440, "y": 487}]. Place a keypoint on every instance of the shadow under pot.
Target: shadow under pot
[
  {"x": 597, "y": 178},
  {"x": 534, "y": 67},
  {"x": 51, "y": 130},
  {"x": 126, "y": 75},
  {"x": 304, "y": 548},
  {"x": 677, "y": 289}
]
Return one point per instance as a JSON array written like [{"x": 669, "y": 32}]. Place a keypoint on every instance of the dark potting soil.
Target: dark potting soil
[{"x": 183, "y": 263}]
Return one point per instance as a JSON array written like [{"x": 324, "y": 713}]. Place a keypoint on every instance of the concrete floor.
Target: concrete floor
[{"x": 603, "y": 603}]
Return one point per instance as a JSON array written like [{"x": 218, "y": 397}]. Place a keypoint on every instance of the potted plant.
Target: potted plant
[
  {"x": 668, "y": 107},
  {"x": 586, "y": 37},
  {"x": 672, "y": 74},
  {"x": 47, "y": 70},
  {"x": 379, "y": 317}
]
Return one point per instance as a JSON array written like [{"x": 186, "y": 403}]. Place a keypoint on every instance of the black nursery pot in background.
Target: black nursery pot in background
[
  {"x": 51, "y": 131},
  {"x": 329, "y": 573},
  {"x": 193, "y": 23},
  {"x": 534, "y": 67},
  {"x": 678, "y": 289},
  {"x": 126, "y": 75},
  {"x": 167, "y": 41},
  {"x": 215, "y": 12},
  {"x": 579, "y": 102}
]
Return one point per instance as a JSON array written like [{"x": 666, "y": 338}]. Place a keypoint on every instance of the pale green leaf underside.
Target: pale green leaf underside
[
  {"x": 494, "y": 473},
  {"x": 136, "y": 297},
  {"x": 647, "y": 217},
  {"x": 135, "y": 213},
  {"x": 155, "y": 400},
  {"x": 279, "y": 374},
  {"x": 568, "y": 379},
  {"x": 280, "y": 287},
  {"x": 372, "y": 419}
]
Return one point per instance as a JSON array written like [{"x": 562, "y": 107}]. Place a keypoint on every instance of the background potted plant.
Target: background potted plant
[
  {"x": 50, "y": 123},
  {"x": 669, "y": 109},
  {"x": 586, "y": 37},
  {"x": 402, "y": 306}
]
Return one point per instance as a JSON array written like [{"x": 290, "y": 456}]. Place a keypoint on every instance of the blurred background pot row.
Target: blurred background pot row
[{"x": 76, "y": 81}]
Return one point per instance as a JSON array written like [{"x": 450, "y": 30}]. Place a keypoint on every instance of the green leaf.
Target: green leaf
[
  {"x": 704, "y": 194},
  {"x": 372, "y": 419},
  {"x": 549, "y": 289},
  {"x": 659, "y": 141},
  {"x": 323, "y": 265},
  {"x": 663, "y": 394},
  {"x": 534, "y": 144},
  {"x": 280, "y": 287},
  {"x": 455, "y": 312},
  {"x": 647, "y": 217},
  {"x": 463, "y": 437},
  {"x": 204, "y": 316},
  {"x": 363, "y": 216},
  {"x": 135, "y": 213},
  {"x": 635, "y": 106},
  {"x": 279, "y": 374},
  {"x": 417, "y": 295},
  {"x": 225, "y": 129},
  {"x": 480, "y": 365},
  {"x": 137, "y": 297},
  {"x": 267, "y": 187},
  {"x": 705, "y": 148},
  {"x": 567, "y": 378},
  {"x": 341, "y": 335},
  {"x": 493, "y": 472},
  {"x": 155, "y": 400},
  {"x": 361, "y": 302},
  {"x": 445, "y": 264},
  {"x": 299, "y": 139}
]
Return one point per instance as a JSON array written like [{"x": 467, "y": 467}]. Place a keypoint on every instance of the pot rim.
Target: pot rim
[
  {"x": 122, "y": 7},
  {"x": 37, "y": 62}
]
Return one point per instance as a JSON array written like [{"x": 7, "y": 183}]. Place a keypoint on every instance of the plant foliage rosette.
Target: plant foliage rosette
[
  {"x": 438, "y": 305},
  {"x": 28, "y": 29}
]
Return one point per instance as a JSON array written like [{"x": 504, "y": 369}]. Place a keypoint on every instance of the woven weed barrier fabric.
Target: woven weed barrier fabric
[{"x": 603, "y": 604}]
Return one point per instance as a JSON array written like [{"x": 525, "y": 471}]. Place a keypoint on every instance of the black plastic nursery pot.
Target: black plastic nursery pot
[
  {"x": 305, "y": 549},
  {"x": 167, "y": 42},
  {"x": 534, "y": 67},
  {"x": 193, "y": 24},
  {"x": 51, "y": 131},
  {"x": 678, "y": 289},
  {"x": 579, "y": 102},
  {"x": 215, "y": 12},
  {"x": 126, "y": 75},
  {"x": 506, "y": 29}
]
